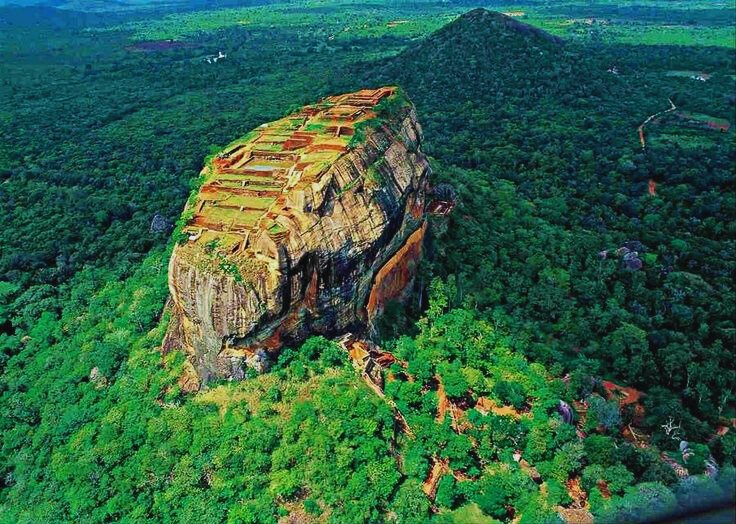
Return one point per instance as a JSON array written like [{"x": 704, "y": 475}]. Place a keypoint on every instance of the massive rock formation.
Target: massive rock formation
[{"x": 308, "y": 224}]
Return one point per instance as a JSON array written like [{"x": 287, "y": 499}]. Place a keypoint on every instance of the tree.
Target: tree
[
  {"x": 447, "y": 495},
  {"x": 410, "y": 504},
  {"x": 616, "y": 478},
  {"x": 629, "y": 350},
  {"x": 453, "y": 379},
  {"x": 603, "y": 413},
  {"x": 599, "y": 449},
  {"x": 642, "y": 502}
]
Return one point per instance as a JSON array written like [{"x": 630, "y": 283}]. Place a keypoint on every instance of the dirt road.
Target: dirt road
[{"x": 642, "y": 139}]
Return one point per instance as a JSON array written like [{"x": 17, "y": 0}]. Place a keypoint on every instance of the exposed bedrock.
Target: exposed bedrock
[{"x": 343, "y": 245}]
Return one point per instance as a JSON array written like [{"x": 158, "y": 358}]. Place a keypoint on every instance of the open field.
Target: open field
[
  {"x": 711, "y": 122},
  {"x": 685, "y": 23}
]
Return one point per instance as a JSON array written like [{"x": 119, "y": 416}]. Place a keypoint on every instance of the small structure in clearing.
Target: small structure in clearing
[
  {"x": 440, "y": 207},
  {"x": 692, "y": 75},
  {"x": 211, "y": 59}
]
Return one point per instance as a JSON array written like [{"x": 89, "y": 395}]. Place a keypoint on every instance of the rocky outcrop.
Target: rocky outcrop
[
  {"x": 394, "y": 278},
  {"x": 307, "y": 225}
]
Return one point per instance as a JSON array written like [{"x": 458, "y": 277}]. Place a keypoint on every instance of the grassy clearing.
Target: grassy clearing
[
  {"x": 682, "y": 74},
  {"x": 705, "y": 119},
  {"x": 686, "y": 141},
  {"x": 226, "y": 216},
  {"x": 255, "y": 391}
]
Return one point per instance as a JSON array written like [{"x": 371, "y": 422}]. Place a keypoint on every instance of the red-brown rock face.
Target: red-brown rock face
[
  {"x": 308, "y": 225},
  {"x": 394, "y": 278}
]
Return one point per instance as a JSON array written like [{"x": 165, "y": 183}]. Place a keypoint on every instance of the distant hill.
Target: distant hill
[
  {"x": 46, "y": 16},
  {"x": 109, "y": 5},
  {"x": 480, "y": 47},
  {"x": 488, "y": 64},
  {"x": 24, "y": 3}
]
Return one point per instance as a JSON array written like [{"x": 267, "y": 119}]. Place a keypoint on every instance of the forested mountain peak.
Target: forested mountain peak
[
  {"x": 481, "y": 57},
  {"x": 487, "y": 63},
  {"x": 481, "y": 19}
]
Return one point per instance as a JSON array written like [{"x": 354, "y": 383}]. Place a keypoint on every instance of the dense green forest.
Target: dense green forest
[
  {"x": 552, "y": 184},
  {"x": 574, "y": 256}
]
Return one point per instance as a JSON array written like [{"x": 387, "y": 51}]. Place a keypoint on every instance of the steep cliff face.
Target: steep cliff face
[{"x": 295, "y": 227}]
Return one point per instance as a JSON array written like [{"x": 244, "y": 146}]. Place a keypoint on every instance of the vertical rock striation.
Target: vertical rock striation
[{"x": 307, "y": 225}]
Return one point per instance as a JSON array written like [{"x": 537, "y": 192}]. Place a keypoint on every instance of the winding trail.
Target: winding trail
[
  {"x": 364, "y": 356},
  {"x": 364, "y": 359},
  {"x": 649, "y": 119}
]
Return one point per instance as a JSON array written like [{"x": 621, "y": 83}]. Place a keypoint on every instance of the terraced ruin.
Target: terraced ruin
[{"x": 261, "y": 178}]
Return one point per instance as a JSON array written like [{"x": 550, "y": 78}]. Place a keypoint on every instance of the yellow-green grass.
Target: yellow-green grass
[
  {"x": 276, "y": 146},
  {"x": 251, "y": 182},
  {"x": 316, "y": 126},
  {"x": 233, "y": 218},
  {"x": 247, "y": 201}
]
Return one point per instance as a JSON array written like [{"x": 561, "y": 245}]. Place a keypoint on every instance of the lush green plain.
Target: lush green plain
[
  {"x": 539, "y": 141},
  {"x": 655, "y": 23}
]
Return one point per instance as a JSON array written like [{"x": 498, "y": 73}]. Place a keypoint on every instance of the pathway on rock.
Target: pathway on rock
[
  {"x": 438, "y": 469},
  {"x": 649, "y": 119},
  {"x": 364, "y": 357}
]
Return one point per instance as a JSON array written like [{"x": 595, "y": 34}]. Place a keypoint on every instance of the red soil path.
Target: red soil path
[{"x": 642, "y": 139}]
